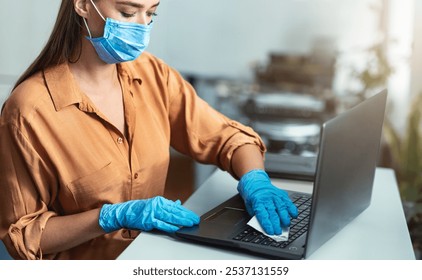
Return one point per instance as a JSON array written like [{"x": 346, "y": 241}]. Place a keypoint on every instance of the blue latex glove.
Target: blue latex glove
[
  {"x": 271, "y": 205},
  {"x": 147, "y": 214}
]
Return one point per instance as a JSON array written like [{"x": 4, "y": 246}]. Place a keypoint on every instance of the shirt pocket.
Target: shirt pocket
[{"x": 105, "y": 185}]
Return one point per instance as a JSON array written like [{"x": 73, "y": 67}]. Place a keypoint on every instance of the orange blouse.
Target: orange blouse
[{"x": 59, "y": 155}]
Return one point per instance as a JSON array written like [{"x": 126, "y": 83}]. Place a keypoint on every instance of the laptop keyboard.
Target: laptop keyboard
[{"x": 298, "y": 226}]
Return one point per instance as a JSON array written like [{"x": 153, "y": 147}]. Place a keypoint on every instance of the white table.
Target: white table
[{"x": 380, "y": 232}]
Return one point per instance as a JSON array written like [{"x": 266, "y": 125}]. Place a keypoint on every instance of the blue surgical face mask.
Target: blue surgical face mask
[{"x": 121, "y": 41}]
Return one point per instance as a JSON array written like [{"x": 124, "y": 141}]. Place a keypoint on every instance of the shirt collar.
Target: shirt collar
[
  {"x": 128, "y": 69},
  {"x": 64, "y": 90},
  {"x": 62, "y": 86}
]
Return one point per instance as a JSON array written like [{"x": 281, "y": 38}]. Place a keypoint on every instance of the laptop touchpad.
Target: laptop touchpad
[{"x": 228, "y": 215}]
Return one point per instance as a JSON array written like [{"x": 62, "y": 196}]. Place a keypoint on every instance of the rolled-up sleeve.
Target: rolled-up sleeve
[
  {"x": 200, "y": 131},
  {"x": 23, "y": 203}
]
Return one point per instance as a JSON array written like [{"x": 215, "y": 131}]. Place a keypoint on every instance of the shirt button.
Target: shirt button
[
  {"x": 136, "y": 176},
  {"x": 120, "y": 140}
]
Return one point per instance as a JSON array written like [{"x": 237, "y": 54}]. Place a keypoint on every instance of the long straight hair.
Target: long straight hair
[{"x": 64, "y": 42}]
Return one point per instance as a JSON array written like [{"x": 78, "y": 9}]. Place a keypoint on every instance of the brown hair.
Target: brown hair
[{"x": 64, "y": 42}]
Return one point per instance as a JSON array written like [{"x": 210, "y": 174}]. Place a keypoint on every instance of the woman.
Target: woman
[{"x": 85, "y": 139}]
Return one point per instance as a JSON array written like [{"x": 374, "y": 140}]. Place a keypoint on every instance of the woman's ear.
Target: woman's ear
[{"x": 81, "y": 7}]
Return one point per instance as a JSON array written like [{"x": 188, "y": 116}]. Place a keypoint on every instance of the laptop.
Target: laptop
[{"x": 347, "y": 159}]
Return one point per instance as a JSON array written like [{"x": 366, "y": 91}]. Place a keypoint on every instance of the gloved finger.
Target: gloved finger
[
  {"x": 177, "y": 219},
  {"x": 167, "y": 207},
  {"x": 263, "y": 218},
  {"x": 274, "y": 217},
  {"x": 250, "y": 209},
  {"x": 290, "y": 206},
  {"x": 292, "y": 209},
  {"x": 282, "y": 211},
  {"x": 178, "y": 215},
  {"x": 187, "y": 213},
  {"x": 161, "y": 225}
]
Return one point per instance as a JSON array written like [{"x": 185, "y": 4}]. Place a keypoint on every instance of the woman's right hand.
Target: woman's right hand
[{"x": 147, "y": 214}]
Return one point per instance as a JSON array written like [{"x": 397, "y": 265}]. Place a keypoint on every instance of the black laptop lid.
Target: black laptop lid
[{"x": 347, "y": 160}]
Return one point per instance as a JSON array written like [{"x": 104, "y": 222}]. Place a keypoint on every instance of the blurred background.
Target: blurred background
[{"x": 279, "y": 66}]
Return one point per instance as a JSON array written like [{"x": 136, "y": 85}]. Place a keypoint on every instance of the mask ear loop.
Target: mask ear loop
[
  {"x": 86, "y": 25},
  {"x": 87, "y": 28},
  {"x": 97, "y": 10}
]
